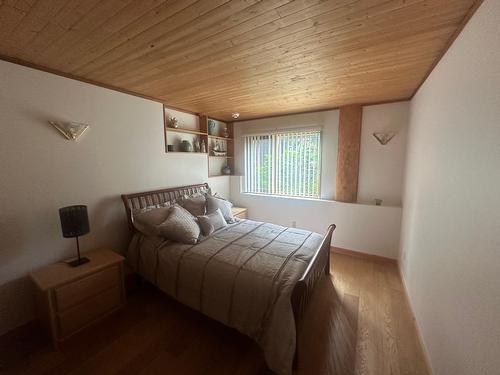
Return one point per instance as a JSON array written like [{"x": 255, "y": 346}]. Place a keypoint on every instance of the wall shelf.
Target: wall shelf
[
  {"x": 187, "y": 131},
  {"x": 220, "y": 138},
  {"x": 215, "y": 163},
  {"x": 184, "y": 152}
]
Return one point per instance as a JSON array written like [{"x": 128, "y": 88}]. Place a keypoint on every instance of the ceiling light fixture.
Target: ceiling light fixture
[{"x": 235, "y": 115}]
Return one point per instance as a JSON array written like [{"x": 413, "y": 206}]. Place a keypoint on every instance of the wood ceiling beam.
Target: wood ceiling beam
[{"x": 349, "y": 145}]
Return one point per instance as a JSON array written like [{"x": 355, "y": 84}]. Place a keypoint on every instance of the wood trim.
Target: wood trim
[
  {"x": 56, "y": 72},
  {"x": 349, "y": 147},
  {"x": 41, "y": 68},
  {"x": 322, "y": 110},
  {"x": 454, "y": 36},
  {"x": 286, "y": 114},
  {"x": 358, "y": 254},
  {"x": 27, "y": 64},
  {"x": 419, "y": 333}
]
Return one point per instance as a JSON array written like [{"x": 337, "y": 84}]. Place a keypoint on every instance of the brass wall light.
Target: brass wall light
[
  {"x": 384, "y": 137},
  {"x": 70, "y": 130}
]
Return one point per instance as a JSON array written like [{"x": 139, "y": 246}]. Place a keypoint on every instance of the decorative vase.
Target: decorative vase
[
  {"x": 211, "y": 127},
  {"x": 203, "y": 146},
  {"x": 226, "y": 169},
  {"x": 186, "y": 146},
  {"x": 225, "y": 133}
]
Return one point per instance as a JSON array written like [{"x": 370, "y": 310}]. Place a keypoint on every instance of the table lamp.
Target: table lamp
[{"x": 75, "y": 223}]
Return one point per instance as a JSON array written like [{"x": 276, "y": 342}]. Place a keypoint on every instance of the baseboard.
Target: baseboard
[
  {"x": 415, "y": 324},
  {"x": 358, "y": 254}
]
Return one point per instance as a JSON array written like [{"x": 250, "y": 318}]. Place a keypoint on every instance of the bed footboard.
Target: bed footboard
[{"x": 302, "y": 292}]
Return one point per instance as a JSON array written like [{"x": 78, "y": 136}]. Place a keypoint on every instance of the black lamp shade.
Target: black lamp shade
[{"x": 74, "y": 221}]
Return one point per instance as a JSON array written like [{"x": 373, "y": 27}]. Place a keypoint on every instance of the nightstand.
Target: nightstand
[
  {"x": 239, "y": 212},
  {"x": 72, "y": 298}
]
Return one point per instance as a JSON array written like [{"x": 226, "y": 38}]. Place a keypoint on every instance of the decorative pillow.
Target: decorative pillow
[
  {"x": 180, "y": 226},
  {"x": 214, "y": 203},
  {"x": 211, "y": 222},
  {"x": 195, "y": 204},
  {"x": 146, "y": 220}
]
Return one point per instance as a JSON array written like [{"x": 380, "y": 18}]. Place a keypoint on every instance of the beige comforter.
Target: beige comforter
[{"x": 242, "y": 275}]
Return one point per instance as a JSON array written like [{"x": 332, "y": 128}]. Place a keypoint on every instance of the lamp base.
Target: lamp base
[{"x": 77, "y": 262}]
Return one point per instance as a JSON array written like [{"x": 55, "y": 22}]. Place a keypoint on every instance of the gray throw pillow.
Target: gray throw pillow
[
  {"x": 211, "y": 222},
  {"x": 146, "y": 220},
  {"x": 180, "y": 226},
  {"x": 195, "y": 204},
  {"x": 214, "y": 203}
]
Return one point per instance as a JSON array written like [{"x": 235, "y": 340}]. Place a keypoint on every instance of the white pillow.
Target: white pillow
[
  {"x": 146, "y": 220},
  {"x": 195, "y": 204},
  {"x": 180, "y": 226},
  {"x": 211, "y": 222},
  {"x": 214, "y": 203}
]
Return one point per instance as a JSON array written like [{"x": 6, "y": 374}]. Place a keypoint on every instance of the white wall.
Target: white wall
[
  {"x": 450, "y": 246},
  {"x": 40, "y": 171},
  {"x": 381, "y": 166},
  {"x": 365, "y": 228},
  {"x": 361, "y": 227}
]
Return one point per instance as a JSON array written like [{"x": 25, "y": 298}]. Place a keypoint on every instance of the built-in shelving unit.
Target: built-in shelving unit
[
  {"x": 216, "y": 137},
  {"x": 174, "y": 137}
]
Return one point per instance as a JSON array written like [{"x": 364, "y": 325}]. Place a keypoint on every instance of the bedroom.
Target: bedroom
[{"x": 410, "y": 282}]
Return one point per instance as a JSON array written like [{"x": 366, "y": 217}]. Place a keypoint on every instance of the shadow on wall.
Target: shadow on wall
[
  {"x": 13, "y": 233},
  {"x": 16, "y": 303},
  {"x": 108, "y": 228},
  {"x": 108, "y": 225}
]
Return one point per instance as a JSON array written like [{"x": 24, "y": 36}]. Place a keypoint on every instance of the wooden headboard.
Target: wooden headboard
[{"x": 151, "y": 198}]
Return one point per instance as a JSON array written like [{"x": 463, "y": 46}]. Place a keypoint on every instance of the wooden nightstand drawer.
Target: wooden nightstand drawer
[
  {"x": 85, "y": 313},
  {"x": 71, "y": 298},
  {"x": 73, "y": 293}
]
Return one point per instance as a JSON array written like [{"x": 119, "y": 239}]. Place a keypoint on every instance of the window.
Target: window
[{"x": 286, "y": 163}]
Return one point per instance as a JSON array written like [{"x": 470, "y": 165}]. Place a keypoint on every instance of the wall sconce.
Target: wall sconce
[
  {"x": 70, "y": 130},
  {"x": 384, "y": 138}
]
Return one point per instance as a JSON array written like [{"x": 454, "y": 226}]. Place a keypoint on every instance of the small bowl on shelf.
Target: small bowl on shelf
[{"x": 186, "y": 146}]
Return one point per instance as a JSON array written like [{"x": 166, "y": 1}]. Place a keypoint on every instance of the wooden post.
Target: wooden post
[{"x": 348, "y": 153}]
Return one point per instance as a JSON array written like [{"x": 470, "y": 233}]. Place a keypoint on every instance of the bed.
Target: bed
[{"x": 253, "y": 276}]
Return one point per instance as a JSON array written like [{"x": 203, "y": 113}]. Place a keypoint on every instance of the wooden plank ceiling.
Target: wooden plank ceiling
[{"x": 254, "y": 57}]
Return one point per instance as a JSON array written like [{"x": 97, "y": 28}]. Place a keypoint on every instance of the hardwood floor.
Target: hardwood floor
[{"x": 358, "y": 323}]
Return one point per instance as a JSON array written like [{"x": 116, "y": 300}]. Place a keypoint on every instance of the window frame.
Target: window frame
[{"x": 272, "y": 133}]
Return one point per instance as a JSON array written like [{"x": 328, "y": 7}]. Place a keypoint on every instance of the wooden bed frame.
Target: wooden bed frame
[{"x": 303, "y": 290}]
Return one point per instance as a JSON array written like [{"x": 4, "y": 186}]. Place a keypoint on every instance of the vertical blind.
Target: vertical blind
[{"x": 287, "y": 163}]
